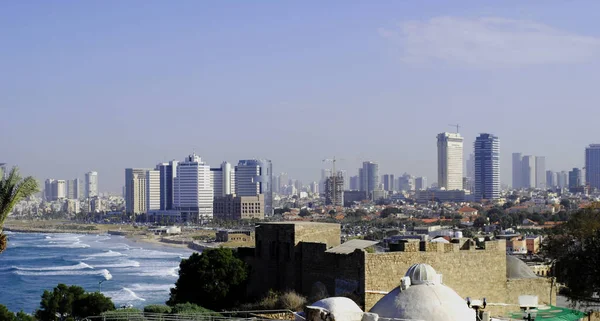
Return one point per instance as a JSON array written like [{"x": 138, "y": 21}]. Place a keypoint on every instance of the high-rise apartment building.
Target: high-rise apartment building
[
  {"x": 471, "y": 167},
  {"x": 450, "y": 161},
  {"x": 562, "y": 179},
  {"x": 48, "y": 189},
  {"x": 254, "y": 177},
  {"x": 592, "y": 166},
  {"x": 517, "y": 170},
  {"x": 283, "y": 181},
  {"x": 168, "y": 172},
  {"x": 575, "y": 178},
  {"x": 420, "y": 183},
  {"x": 60, "y": 189},
  {"x": 135, "y": 190},
  {"x": 354, "y": 183},
  {"x": 314, "y": 188},
  {"x": 153, "y": 190},
  {"x": 334, "y": 190},
  {"x": 91, "y": 184},
  {"x": 223, "y": 180},
  {"x": 551, "y": 179},
  {"x": 192, "y": 192},
  {"x": 528, "y": 172},
  {"x": 487, "y": 167},
  {"x": 369, "y": 176},
  {"x": 540, "y": 172},
  {"x": 389, "y": 183},
  {"x": 73, "y": 189},
  {"x": 406, "y": 183}
]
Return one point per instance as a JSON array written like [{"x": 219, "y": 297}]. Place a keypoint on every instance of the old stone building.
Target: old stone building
[
  {"x": 299, "y": 255},
  {"x": 230, "y": 207}
]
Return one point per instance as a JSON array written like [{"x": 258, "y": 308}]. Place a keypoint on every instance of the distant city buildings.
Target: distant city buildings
[
  {"x": 254, "y": 177},
  {"x": 223, "y": 180},
  {"x": 517, "y": 171},
  {"x": 388, "y": 182},
  {"x": 528, "y": 171},
  {"x": 91, "y": 184},
  {"x": 73, "y": 189},
  {"x": 562, "y": 179},
  {"x": 354, "y": 183},
  {"x": 592, "y": 166},
  {"x": 420, "y": 183},
  {"x": 168, "y": 172},
  {"x": 334, "y": 190},
  {"x": 487, "y": 167},
  {"x": 575, "y": 178},
  {"x": 153, "y": 190},
  {"x": 231, "y": 207},
  {"x": 450, "y": 161},
  {"x": 135, "y": 190},
  {"x": 406, "y": 183},
  {"x": 368, "y": 176},
  {"x": 540, "y": 172},
  {"x": 551, "y": 181}
]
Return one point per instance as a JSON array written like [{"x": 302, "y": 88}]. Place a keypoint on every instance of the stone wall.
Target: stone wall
[{"x": 471, "y": 273}]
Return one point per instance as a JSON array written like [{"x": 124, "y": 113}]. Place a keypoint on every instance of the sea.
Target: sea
[{"x": 128, "y": 272}]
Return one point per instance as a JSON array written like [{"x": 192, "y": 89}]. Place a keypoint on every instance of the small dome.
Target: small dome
[
  {"x": 422, "y": 273},
  {"x": 341, "y": 308}
]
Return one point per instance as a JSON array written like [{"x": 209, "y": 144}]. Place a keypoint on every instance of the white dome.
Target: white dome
[
  {"x": 342, "y": 308},
  {"x": 422, "y": 273},
  {"x": 424, "y": 302}
]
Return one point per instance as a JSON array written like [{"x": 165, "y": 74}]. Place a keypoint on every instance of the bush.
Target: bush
[
  {"x": 190, "y": 308},
  {"x": 157, "y": 308},
  {"x": 127, "y": 314},
  {"x": 291, "y": 301}
]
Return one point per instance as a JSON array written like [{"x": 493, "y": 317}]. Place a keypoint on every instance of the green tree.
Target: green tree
[
  {"x": 190, "y": 308},
  {"x": 575, "y": 249},
  {"x": 304, "y": 212},
  {"x": 389, "y": 211},
  {"x": 5, "y": 314},
  {"x": 13, "y": 188},
  {"x": 71, "y": 301},
  {"x": 565, "y": 203},
  {"x": 157, "y": 308},
  {"x": 480, "y": 222},
  {"x": 215, "y": 279},
  {"x": 22, "y": 316}
]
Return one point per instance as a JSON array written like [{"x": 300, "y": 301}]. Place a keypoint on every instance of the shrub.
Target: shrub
[
  {"x": 157, "y": 308},
  {"x": 291, "y": 301},
  {"x": 126, "y": 314},
  {"x": 190, "y": 308}
]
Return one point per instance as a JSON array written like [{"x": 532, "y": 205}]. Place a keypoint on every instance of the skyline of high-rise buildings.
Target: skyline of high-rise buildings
[
  {"x": 592, "y": 165},
  {"x": 192, "y": 192},
  {"x": 91, "y": 184},
  {"x": 450, "y": 161}
]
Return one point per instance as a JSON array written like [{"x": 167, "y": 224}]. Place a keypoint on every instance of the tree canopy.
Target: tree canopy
[
  {"x": 72, "y": 302},
  {"x": 215, "y": 279},
  {"x": 575, "y": 248},
  {"x": 389, "y": 211},
  {"x": 13, "y": 189}
]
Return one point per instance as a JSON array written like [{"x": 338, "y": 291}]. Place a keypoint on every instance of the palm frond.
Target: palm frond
[{"x": 13, "y": 189}]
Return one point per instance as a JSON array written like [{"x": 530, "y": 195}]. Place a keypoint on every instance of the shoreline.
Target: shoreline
[{"x": 134, "y": 237}]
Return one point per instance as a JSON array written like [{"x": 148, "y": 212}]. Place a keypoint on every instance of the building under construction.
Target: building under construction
[{"x": 334, "y": 190}]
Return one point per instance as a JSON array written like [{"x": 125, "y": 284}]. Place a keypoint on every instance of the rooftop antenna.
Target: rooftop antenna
[{"x": 455, "y": 125}]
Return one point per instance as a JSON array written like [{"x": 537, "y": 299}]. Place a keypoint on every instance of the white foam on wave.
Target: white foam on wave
[
  {"x": 120, "y": 264},
  {"x": 169, "y": 272},
  {"x": 125, "y": 295},
  {"x": 79, "y": 266},
  {"x": 151, "y": 287},
  {"x": 152, "y": 254},
  {"x": 74, "y": 245},
  {"x": 110, "y": 253},
  {"x": 104, "y": 272}
]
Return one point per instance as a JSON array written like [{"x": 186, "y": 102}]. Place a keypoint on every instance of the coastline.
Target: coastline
[{"x": 134, "y": 236}]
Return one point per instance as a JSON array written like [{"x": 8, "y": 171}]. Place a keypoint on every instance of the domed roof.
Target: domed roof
[
  {"x": 421, "y": 273},
  {"x": 517, "y": 269},
  {"x": 342, "y": 308},
  {"x": 424, "y": 302}
]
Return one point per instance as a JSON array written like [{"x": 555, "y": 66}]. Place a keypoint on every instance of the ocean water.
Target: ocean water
[{"x": 131, "y": 273}]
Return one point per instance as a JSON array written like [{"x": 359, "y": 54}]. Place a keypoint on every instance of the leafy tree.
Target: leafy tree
[
  {"x": 304, "y": 212},
  {"x": 5, "y": 314},
  {"x": 389, "y": 211},
  {"x": 190, "y": 308},
  {"x": 332, "y": 212},
  {"x": 575, "y": 249},
  {"x": 13, "y": 189},
  {"x": 22, "y": 316},
  {"x": 480, "y": 222},
  {"x": 565, "y": 203},
  {"x": 157, "y": 308},
  {"x": 215, "y": 279},
  {"x": 71, "y": 301}
]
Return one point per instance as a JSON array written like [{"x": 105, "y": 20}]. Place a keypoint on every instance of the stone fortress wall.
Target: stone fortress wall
[{"x": 293, "y": 256}]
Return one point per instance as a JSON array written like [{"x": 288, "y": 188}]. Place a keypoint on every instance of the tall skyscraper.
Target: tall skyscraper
[
  {"x": 73, "y": 189},
  {"x": 334, "y": 190},
  {"x": 283, "y": 180},
  {"x": 517, "y": 170},
  {"x": 471, "y": 167},
  {"x": 369, "y": 176},
  {"x": 192, "y": 192},
  {"x": 575, "y": 178},
  {"x": 135, "y": 190},
  {"x": 528, "y": 172},
  {"x": 487, "y": 167},
  {"x": 450, "y": 161},
  {"x": 388, "y": 182},
  {"x": 562, "y": 179},
  {"x": 91, "y": 184},
  {"x": 540, "y": 172},
  {"x": 60, "y": 190},
  {"x": 168, "y": 172},
  {"x": 550, "y": 179},
  {"x": 223, "y": 180},
  {"x": 254, "y": 177},
  {"x": 420, "y": 183},
  {"x": 592, "y": 166},
  {"x": 406, "y": 182},
  {"x": 354, "y": 183},
  {"x": 153, "y": 190},
  {"x": 48, "y": 189}
]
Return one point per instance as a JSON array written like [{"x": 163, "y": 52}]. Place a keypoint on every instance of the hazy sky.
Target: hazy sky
[{"x": 104, "y": 85}]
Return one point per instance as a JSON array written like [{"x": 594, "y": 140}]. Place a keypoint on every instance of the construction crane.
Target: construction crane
[
  {"x": 455, "y": 125},
  {"x": 334, "y": 175}
]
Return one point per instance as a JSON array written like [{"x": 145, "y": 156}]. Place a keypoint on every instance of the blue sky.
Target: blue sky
[{"x": 104, "y": 85}]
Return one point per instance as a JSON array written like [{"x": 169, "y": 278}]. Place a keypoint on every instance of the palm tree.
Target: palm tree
[{"x": 13, "y": 189}]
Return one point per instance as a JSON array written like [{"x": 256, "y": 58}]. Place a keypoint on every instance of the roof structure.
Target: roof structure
[
  {"x": 517, "y": 269},
  {"x": 351, "y": 246}
]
